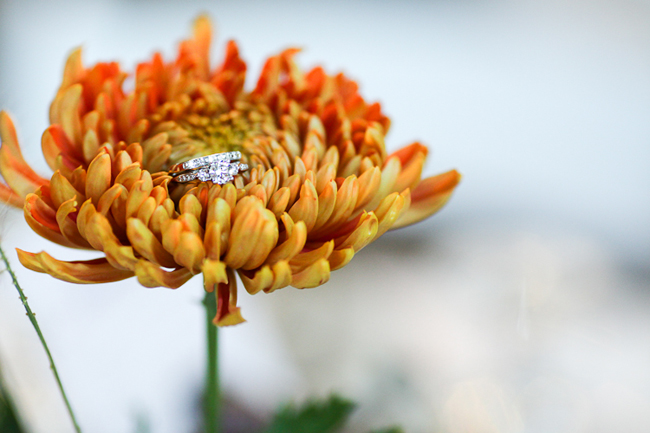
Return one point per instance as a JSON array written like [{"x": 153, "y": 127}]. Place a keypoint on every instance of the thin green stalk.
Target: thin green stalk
[
  {"x": 212, "y": 392},
  {"x": 32, "y": 318}
]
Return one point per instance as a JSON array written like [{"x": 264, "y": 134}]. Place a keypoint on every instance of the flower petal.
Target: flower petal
[
  {"x": 214, "y": 272},
  {"x": 227, "y": 311},
  {"x": 428, "y": 197},
  {"x": 150, "y": 275},
  {"x": 42, "y": 219},
  {"x": 362, "y": 235},
  {"x": 292, "y": 245},
  {"x": 67, "y": 226},
  {"x": 146, "y": 244},
  {"x": 390, "y": 209},
  {"x": 316, "y": 274},
  {"x": 190, "y": 252},
  {"x": 308, "y": 258},
  {"x": 62, "y": 190},
  {"x": 13, "y": 168},
  {"x": 340, "y": 258},
  {"x": 98, "y": 178},
  {"x": 306, "y": 208},
  {"x": 9, "y": 197},
  {"x": 254, "y": 234},
  {"x": 80, "y": 272}
]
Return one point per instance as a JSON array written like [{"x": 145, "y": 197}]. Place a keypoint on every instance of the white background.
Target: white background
[{"x": 524, "y": 306}]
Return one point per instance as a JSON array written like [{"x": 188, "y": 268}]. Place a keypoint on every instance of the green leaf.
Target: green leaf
[
  {"x": 389, "y": 430},
  {"x": 8, "y": 418},
  {"x": 313, "y": 417}
]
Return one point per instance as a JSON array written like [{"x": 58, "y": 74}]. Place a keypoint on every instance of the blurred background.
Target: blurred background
[{"x": 523, "y": 306}]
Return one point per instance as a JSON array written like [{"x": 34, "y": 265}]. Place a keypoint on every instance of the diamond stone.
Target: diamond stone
[
  {"x": 217, "y": 173},
  {"x": 233, "y": 169},
  {"x": 203, "y": 175}
]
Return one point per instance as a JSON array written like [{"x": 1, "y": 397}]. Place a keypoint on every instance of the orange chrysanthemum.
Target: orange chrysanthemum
[{"x": 320, "y": 189}]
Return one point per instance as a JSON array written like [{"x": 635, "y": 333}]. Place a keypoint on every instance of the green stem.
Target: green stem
[
  {"x": 32, "y": 318},
  {"x": 213, "y": 396}
]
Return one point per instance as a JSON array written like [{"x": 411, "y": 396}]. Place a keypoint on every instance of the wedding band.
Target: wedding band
[{"x": 205, "y": 160}]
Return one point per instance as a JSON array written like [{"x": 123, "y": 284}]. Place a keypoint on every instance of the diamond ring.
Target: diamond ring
[
  {"x": 219, "y": 168},
  {"x": 204, "y": 161}
]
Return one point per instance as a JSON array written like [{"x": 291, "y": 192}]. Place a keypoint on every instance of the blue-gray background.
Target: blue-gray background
[{"x": 524, "y": 306}]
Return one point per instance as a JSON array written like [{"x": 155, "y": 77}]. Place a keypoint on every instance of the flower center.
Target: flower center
[{"x": 196, "y": 132}]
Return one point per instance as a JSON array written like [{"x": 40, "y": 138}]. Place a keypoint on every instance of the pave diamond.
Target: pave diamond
[
  {"x": 203, "y": 175},
  {"x": 233, "y": 169},
  {"x": 210, "y": 159}
]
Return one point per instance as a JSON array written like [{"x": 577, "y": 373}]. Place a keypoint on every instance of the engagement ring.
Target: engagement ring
[{"x": 219, "y": 168}]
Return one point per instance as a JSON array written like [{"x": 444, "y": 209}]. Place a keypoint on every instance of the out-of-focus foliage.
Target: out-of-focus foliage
[
  {"x": 8, "y": 418},
  {"x": 317, "y": 417}
]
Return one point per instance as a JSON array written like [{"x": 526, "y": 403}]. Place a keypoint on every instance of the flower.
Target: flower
[{"x": 320, "y": 189}]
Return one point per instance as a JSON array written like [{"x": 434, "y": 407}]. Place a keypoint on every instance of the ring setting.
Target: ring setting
[{"x": 219, "y": 168}]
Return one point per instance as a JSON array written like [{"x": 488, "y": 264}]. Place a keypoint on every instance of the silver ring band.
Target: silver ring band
[{"x": 205, "y": 161}]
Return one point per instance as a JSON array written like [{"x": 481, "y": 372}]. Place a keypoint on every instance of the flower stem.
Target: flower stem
[
  {"x": 32, "y": 318},
  {"x": 213, "y": 395}
]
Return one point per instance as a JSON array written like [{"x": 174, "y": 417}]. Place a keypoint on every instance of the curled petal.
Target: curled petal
[
  {"x": 258, "y": 280},
  {"x": 369, "y": 183},
  {"x": 306, "y": 208},
  {"x": 80, "y": 272},
  {"x": 291, "y": 246},
  {"x": 362, "y": 235},
  {"x": 62, "y": 190},
  {"x": 411, "y": 171},
  {"x": 390, "y": 209},
  {"x": 15, "y": 171},
  {"x": 150, "y": 275},
  {"x": 99, "y": 234},
  {"x": 98, "y": 179},
  {"x": 254, "y": 234},
  {"x": 214, "y": 273},
  {"x": 213, "y": 241},
  {"x": 74, "y": 70},
  {"x": 68, "y": 107},
  {"x": 315, "y": 275},
  {"x": 67, "y": 226},
  {"x": 326, "y": 204},
  {"x": 340, "y": 258},
  {"x": 190, "y": 204},
  {"x": 42, "y": 219},
  {"x": 308, "y": 258},
  {"x": 90, "y": 145},
  {"x": 281, "y": 276},
  {"x": 190, "y": 252},
  {"x": 219, "y": 212},
  {"x": 140, "y": 191},
  {"x": 389, "y": 175},
  {"x": 230, "y": 79},
  {"x": 227, "y": 311},
  {"x": 57, "y": 149},
  {"x": 268, "y": 278},
  {"x": 146, "y": 244},
  {"x": 129, "y": 176},
  {"x": 346, "y": 200},
  {"x": 279, "y": 201},
  {"x": 9, "y": 197},
  {"x": 109, "y": 197},
  {"x": 428, "y": 197}
]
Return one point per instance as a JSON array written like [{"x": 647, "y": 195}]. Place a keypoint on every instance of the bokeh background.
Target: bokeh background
[{"x": 523, "y": 306}]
